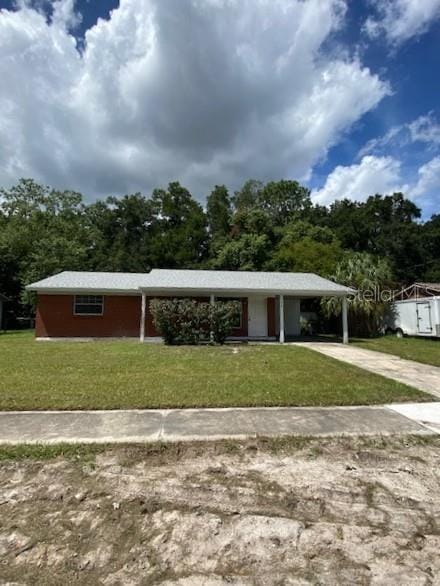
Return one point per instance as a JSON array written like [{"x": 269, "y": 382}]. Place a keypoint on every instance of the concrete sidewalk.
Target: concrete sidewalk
[
  {"x": 202, "y": 424},
  {"x": 420, "y": 376}
]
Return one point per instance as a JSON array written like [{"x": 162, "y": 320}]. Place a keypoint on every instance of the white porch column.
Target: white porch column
[
  {"x": 143, "y": 311},
  {"x": 212, "y": 302},
  {"x": 344, "y": 321},
  {"x": 281, "y": 319}
]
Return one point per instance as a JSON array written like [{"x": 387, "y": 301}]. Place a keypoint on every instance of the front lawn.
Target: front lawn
[
  {"x": 126, "y": 374},
  {"x": 424, "y": 350}
]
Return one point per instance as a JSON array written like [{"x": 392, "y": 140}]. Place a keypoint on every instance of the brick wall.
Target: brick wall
[{"x": 55, "y": 317}]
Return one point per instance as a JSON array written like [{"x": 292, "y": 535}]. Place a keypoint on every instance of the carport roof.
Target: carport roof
[{"x": 191, "y": 281}]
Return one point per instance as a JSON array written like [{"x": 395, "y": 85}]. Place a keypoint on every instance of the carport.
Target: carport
[{"x": 270, "y": 301}]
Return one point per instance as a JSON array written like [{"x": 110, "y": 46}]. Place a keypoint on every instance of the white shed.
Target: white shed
[{"x": 416, "y": 311}]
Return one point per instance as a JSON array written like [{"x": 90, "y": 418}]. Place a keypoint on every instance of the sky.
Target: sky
[{"x": 112, "y": 97}]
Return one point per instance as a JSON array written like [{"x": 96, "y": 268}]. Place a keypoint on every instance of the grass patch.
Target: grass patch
[
  {"x": 126, "y": 374},
  {"x": 49, "y": 452},
  {"x": 423, "y": 350},
  {"x": 167, "y": 453}
]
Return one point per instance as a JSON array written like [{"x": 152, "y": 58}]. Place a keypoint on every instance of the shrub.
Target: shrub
[
  {"x": 223, "y": 317},
  {"x": 180, "y": 321},
  {"x": 185, "y": 321}
]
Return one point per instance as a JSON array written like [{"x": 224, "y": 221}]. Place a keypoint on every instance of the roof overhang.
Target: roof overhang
[
  {"x": 178, "y": 291},
  {"x": 82, "y": 291}
]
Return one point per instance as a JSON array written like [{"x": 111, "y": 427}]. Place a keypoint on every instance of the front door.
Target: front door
[
  {"x": 424, "y": 324},
  {"x": 257, "y": 317}
]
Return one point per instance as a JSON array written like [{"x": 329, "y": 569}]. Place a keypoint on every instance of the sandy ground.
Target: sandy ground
[{"x": 348, "y": 511}]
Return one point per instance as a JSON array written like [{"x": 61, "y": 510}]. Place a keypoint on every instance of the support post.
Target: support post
[
  {"x": 143, "y": 312},
  {"x": 281, "y": 319},
  {"x": 211, "y": 333},
  {"x": 344, "y": 321}
]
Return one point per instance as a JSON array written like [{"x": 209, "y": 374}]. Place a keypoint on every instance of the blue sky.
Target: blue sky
[{"x": 341, "y": 95}]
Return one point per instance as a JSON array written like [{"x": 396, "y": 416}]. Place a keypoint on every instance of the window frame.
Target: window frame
[{"x": 79, "y": 314}]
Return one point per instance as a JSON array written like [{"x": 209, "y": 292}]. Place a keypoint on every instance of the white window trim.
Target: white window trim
[{"x": 88, "y": 314}]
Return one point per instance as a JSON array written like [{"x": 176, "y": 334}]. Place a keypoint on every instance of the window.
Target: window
[{"x": 88, "y": 305}]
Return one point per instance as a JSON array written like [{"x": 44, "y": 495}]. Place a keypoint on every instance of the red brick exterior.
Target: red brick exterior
[
  {"x": 121, "y": 318},
  {"x": 55, "y": 318}
]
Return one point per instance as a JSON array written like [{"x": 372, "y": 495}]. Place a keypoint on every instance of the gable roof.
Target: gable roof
[{"x": 190, "y": 281}]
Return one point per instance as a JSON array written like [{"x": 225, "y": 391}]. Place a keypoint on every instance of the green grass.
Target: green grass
[
  {"x": 126, "y": 374},
  {"x": 83, "y": 452},
  {"x": 423, "y": 350}
]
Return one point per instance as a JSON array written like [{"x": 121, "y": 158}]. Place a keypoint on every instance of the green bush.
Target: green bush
[
  {"x": 185, "y": 321},
  {"x": 223, "y": 317}
]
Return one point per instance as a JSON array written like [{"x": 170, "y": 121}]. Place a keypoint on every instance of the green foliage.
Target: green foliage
[
  {"x": 187, "y": 321},
  {"x": 307, "y": 256},
  {"x": 246, "y": 198},
  {"x": 247, "y": 253},
  {"x": 178, "y": 234},
  {"x": 306, "y": 248},
  {"x": 252, "y": 221},
  {"x": 284, "y": 200},
  {"x": 43, "y": 233},
  {"x": 369, "y": 275},
  {"x": 180, "y": 321},
  {"x": 262, "y": 227},
  {"x": 223, "y": 317},
  {"x": 219, "y": 212}
]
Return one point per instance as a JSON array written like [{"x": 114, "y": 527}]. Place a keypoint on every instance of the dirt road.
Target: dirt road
[{"x": 297, "y": 512}]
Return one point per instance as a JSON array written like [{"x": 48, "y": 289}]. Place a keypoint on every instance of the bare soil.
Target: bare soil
[{"x": 348, "y": 511}]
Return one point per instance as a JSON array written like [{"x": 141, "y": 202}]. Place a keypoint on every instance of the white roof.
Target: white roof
[{"x": 190, "y": 281}]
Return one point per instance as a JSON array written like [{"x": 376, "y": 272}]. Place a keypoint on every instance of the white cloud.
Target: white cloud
[
  {"x": 64, "y": 14},
  {"x": 201, "y": 91},
  {"x": 428, "y": 183},
  {"x": 382, "y": 175},
  {"x": 425, "y": 129},
  {"x": 356, "y": 182},
  {"x": 399, "y": 20}
]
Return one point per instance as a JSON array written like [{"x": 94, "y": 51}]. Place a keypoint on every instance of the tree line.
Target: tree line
[{"x": 272, "y": 226}]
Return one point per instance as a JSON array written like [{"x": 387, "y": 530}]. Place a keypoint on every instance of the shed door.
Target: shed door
[
  {"x": 257, "y": 316},
  {"x": 424, "y": 324}
]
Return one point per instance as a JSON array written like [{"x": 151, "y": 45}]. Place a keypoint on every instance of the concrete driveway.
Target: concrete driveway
[{"x": 420, "y": 376}]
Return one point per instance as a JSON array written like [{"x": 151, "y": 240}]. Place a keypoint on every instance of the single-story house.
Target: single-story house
[
  {"x": 3, "y": 300},
  {"x": 95, "y": 305}
]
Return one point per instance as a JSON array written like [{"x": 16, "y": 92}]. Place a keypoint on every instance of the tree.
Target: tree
[
  {"x": 178, "y": 229},
  {"x": 246, "y": 198},
  {"x": 219, "y": 212},
  {"x": 247, "y": 253},
  {"x": 252, "y": 221},
  {"x": 306, "y": 248},
  {"x": 43, "y": 232},
  {"x": 385, "y": 226},
  {"x": 430, "y": 240},
  {"x": 307, "y": 256},
  {"x": 369, "y": 276},
  {"x": 283, "y": 200},
  {"x": 121, "y": 228},
  {"x": 347, "y": 219},
  {"x": 394, "y": 233}
]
